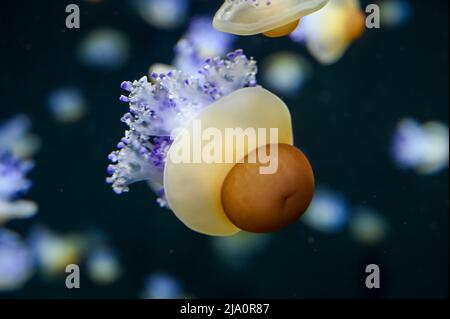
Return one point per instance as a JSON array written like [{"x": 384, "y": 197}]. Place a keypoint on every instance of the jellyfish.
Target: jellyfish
[
  {"x": 199, "y": 43},
  {"x": 286, "y": 72},
  {"x": 329, "y": 32},
  {"x": 16, "y": 139},
  {"x": 368, "y": 226},
  {"x": 102, "y": 261},
  {"x": 237, "y": 251},
  {"x": 214, "y": 196},
  {"x": 163, "y": 14},
  {"x": 104, "y": 48},
  {"x": 66, "y": 105},
  {"x": 328, "y": 213},
  {"x": 16, "y": 264},
  {"x": 421, "y": 147},
  {"x": 273, "y": 18},
  {"x": 52, "y": 252},
  {"x": 13, "y": 183},
  {"x": 162, "y": 286},
  {"x": 395, "y": 13},
  {"x": 103, "y": 266}
]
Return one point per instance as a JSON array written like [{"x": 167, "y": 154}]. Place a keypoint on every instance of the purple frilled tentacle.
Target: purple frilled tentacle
[{"x": 167, "y": 102}]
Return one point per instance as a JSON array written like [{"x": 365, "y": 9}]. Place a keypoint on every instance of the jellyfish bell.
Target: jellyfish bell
[
  {"x": 274, "y": 18},
  {"x": 224, "y": 202}
]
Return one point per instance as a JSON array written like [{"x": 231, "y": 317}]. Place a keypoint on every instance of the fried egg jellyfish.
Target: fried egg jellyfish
[
  {"x": 329, "y": 32},
  {"x": 273, "y": 18},
  {"x": 421, "y": 147},
  {"x": 218, "y": 199},
  {"x": 16, "y": 263}
]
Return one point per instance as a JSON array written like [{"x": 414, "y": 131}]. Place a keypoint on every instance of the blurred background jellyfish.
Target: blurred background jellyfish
[
  {"x": 368, "y": 226},
  {"x": 53, "y": 252},
  {"x": 237, "y": 251},
  {"x": 200, "y": 42},
  {"x": 421, "y": 147},
  {"x": 328, "y": 213},
  {"x": 395, "y": 13},
  {"x": 16, "y": 264},
  {"x": 162, "y": 286},
  {"x": 104, "y": 48},
  {"x": 286, "y": 72},
  {"x": 66, "y": 105},
  {"x": 329, "y": 32},
  {"x": 102, "y": 260},
  {"x": 15, "y": 137},
  {"x": 14, "y": 183},
  {"x": 103, "y": 266},
  {"x": 162, "y": 14}
]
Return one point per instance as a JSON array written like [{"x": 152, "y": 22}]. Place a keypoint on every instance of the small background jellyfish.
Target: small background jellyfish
[
  {"x": 328, "y": 213},
  {"x": 14, "y": 170},
  {"x": 101, "y": 259},
  {"x": 162, "y": 286},
  {"x": 421, "y": 147},
  {"x": 286, "y": 72},
  {"x": 237, "y": 251},
  {"x": 368, "y": 226},
  {"x": 395, "y": 13},
  {"x": 104, "y": 49},
  {"x": 16, "y": 264},
  {"x": 15, "y": 137},
  {"x": 66, "y": 105},
  {"x": 52, "y": 252},
  {"x": 163, "y": 14},
  {"x": 103, "y": 265},
  {"x": 200, "y": 42},
  {"x": 13, "y": 182}
]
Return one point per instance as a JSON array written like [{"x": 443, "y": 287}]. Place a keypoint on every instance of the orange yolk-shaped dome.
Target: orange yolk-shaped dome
[{"x": 265, "y": 203}]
